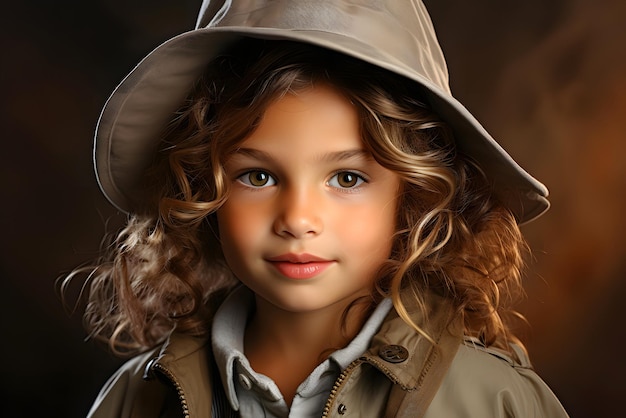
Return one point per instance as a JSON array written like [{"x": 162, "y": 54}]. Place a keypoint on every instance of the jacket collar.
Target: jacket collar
[
  {"x": 406, "y": 356},
  {"x": 188, "y": 363},
  {"x": 184, "y": 361}
]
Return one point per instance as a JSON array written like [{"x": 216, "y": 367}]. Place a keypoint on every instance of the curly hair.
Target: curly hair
[{"x": 453, "y": 235}]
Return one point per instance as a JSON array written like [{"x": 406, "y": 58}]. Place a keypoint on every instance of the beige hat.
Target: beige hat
[{"x": 397, "y": 35}]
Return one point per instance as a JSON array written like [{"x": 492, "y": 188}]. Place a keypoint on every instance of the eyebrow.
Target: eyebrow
[{"x": 338, "y": 156}]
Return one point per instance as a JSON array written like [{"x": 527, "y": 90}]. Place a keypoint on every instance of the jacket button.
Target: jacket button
[
  {"x": 393, "y": 353},
  {"x": 342, "y": 409}
]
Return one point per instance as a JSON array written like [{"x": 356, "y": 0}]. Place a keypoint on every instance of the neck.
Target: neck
[{"x": 287, "y": 346}]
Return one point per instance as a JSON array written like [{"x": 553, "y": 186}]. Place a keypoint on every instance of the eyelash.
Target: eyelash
[{"x": 246, "y": 180}]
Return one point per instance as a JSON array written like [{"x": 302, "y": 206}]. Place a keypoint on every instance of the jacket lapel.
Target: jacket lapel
[
  {"x": 184, "y": 361},
  {"x": 412, "y": 362}
]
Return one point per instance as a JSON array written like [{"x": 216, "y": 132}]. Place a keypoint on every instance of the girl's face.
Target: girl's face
[{"x": 310, "y": 215}]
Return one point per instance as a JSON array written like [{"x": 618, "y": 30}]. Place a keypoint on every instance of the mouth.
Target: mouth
[{"x": 300, "y": 266}]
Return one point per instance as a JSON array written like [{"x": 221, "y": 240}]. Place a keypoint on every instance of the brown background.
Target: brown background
[{"x": 546, "y": 77}]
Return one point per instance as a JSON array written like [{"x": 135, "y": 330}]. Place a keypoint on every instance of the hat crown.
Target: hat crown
[{"x": 400, "y": 32}]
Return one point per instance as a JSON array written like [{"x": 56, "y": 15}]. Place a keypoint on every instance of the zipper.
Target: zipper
[
  {"x": 337, "y": 385},
  {"x": 344, "y": 374},
  {"x": 179, "y": 390}
]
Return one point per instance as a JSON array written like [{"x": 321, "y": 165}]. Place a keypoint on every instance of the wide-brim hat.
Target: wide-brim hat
[{"x": 396, "y": 35}]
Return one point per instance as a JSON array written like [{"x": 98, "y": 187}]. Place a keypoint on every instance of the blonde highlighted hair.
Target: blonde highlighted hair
[{"x": 453, "y": 236}]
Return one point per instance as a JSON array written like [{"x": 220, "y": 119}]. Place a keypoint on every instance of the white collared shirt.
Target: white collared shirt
[{"x": 256, "y": 395}]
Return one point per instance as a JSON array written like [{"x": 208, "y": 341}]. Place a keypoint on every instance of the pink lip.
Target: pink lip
[{"x": 300, "y": 266}]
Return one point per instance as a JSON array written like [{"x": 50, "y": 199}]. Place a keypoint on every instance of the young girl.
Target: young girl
[{"x": 316, "y": 226}]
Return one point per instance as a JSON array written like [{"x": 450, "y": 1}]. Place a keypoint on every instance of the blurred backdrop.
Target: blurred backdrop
[{"x": 546, "y": 78}]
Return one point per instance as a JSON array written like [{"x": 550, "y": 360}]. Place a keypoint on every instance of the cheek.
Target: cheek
[
  {"x": 237, "y": 227},
  {"x": 368, "y": 230}
]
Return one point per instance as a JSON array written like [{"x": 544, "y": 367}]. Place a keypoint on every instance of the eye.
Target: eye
[
  {"x": 346, "y": 180},
  {"x": 257, "y": 178}
]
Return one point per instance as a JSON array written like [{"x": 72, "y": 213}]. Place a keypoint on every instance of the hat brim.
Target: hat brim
[{"x": 127, "y": 134}]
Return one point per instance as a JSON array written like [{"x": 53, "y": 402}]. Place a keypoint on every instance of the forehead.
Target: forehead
[{"x": 319, "y": 115}]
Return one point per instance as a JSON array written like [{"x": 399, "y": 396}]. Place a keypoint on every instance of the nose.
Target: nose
[{"x": 298, "y": 214}]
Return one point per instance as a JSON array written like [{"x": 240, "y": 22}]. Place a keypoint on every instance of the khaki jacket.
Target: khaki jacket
[{"x": 401, "y": 375}]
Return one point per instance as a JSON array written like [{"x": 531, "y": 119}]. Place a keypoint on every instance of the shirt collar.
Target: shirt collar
[
  {"x": 361, "y": 342},
  {"x": 227, "y": 337}
]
